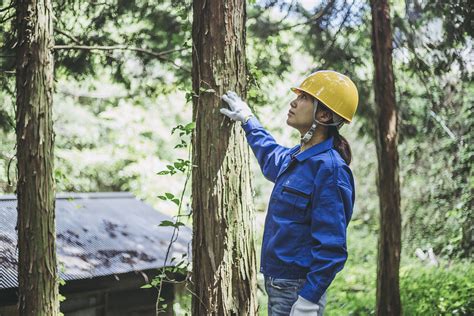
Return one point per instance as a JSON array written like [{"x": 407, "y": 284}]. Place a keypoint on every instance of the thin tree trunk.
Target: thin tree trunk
[
  {"x": 388, "y": 291},
  {"x": 224, "y": 262},
  {"x": 37, "y": 270}
]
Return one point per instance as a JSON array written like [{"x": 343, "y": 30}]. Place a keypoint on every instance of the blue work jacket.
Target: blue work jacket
[{"x": 308, "y": 213}]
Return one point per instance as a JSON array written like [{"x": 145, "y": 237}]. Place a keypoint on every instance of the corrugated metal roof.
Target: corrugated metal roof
[{"x": 97, "y": 234}]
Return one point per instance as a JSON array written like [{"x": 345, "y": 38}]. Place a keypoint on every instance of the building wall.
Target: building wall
[
  {"x": 9, "y": 310},
  {"x": 118, "y": 295}
]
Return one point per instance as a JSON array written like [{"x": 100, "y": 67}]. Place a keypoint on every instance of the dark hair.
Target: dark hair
[{"x": 341, "y": 144}]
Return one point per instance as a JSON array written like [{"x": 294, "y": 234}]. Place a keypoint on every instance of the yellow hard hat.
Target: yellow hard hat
[{"x": 335, "y": 90}]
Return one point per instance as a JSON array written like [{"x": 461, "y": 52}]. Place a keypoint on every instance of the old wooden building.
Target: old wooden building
[{"x": 108, "y": 246}]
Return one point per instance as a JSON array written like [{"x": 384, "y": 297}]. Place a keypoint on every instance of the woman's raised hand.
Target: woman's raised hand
[{"x": 239, "y": 110}]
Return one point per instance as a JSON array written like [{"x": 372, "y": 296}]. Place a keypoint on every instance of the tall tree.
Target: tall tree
[
  {"x": 224, "y": 262},
  {"x": 388, "y": 290},
  {"x": 37, "y": 270}
]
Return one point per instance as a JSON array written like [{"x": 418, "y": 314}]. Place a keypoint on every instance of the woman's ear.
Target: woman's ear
[{"x": 324, "y": 116}]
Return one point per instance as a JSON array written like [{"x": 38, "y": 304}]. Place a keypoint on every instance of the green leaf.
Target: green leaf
[
  {"x": 182, "y": 145},
  {"x": 166, "y": 223},
  {"x": 190, "y": 126},
  {"x": 179, "y": 126},
  {"x": 189, "y": 96},
  {"x": 146, "y": 286},
  {"x": 177, "y": 224}
]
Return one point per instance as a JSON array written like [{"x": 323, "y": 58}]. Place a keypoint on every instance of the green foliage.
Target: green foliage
[
  {"x": 183, "y": 131},
  {"x": 169, "y": 196},
  {"x": 180, "y": 165},
  {"x": 425, "y": 290},
  {"x": 435, "y": 102},
  {"x": 6, "y": 121},
  {"x": 438, "y": 291},
  {"x": 113, "y": 111},
  {"x": 268, "y": 54},
  {"x": 353, "y": 290},
  {"x": 182, "y": 304},
  {"x": 176, "y": 267},
  {"x": 161, "y": 27},
  {"x": 171, "y": 224}
]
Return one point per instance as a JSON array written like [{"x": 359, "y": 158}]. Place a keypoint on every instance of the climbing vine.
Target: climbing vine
[{"x": 176, "y": 265}]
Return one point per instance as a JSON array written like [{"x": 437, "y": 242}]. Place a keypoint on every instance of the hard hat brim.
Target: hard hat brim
[{"x": 298, "y": 92}]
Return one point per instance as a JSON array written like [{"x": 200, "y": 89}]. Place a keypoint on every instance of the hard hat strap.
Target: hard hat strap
[
  {"x": 339, "y": 122},
  {"x": 310, "y": 132}
]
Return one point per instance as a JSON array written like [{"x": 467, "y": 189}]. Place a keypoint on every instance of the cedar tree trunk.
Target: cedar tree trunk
[
  {"x": 224, "y": 262},
  {"x": 388, "y": 291},
  {"x": 37, "y": 269}
]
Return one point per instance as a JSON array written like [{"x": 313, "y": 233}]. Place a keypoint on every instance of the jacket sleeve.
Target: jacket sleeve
[
  {"x": 333, "y": 200},
  {"x": 269, "y": 154}
]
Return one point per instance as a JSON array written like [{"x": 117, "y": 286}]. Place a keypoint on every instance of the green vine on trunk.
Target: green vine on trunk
[{"x": 177, "y": 266}]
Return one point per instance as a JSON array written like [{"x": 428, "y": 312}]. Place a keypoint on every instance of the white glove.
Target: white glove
[
  {"x": 239, "y": 110},
  {"x": 303, "y": 307}
]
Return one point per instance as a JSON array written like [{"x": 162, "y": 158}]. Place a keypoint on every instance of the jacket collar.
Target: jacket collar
[{"x": 313, "y": 150}]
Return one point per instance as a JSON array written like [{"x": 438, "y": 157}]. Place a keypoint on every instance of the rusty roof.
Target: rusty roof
[{"x": 97, "y": 234}]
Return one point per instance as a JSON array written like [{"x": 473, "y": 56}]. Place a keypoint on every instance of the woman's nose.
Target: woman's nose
[{"x": 293, "y": 104}]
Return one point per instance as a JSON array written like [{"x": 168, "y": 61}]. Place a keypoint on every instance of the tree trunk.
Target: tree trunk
[
  {"x": 388, "y": 291},
  {"x": 224, "y": 262},
  {"x": 37, "y": 268}
]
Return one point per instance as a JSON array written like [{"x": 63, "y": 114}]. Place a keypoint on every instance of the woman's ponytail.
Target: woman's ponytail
[{"x": 341, "y": 144}]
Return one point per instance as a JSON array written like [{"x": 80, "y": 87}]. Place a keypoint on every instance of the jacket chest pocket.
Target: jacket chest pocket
[{"x": 295, "y": 198}]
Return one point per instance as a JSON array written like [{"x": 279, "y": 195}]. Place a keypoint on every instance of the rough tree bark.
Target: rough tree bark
[
  {"x": 37, "y": 268},
  {"x": 224, "y": 261},
  {"x": 388, "y": 291}
]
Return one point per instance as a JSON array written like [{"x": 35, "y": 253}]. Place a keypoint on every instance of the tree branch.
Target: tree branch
[
  {"x": 158, "y": 55},
  {"x": 424, "y": 76},
  {"x": 11, "y": 5},
  {"x": 312, "y": 19},
  {"x": 75, "y": 40},
  {"x": 443, "y": 125},
  {"x": 72, "y": 38},
  {"x": 7, "y": 18},
  {"x": 287, "y": 12},
  {"x": 348, "y": 13},
  {"x": 92, "y": 95}
]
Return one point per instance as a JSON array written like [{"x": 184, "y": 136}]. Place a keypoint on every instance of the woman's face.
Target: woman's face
[{"x": 300, "y": 115}]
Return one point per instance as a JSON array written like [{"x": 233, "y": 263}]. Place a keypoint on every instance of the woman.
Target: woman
[{"x": 304, "y": 239}]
